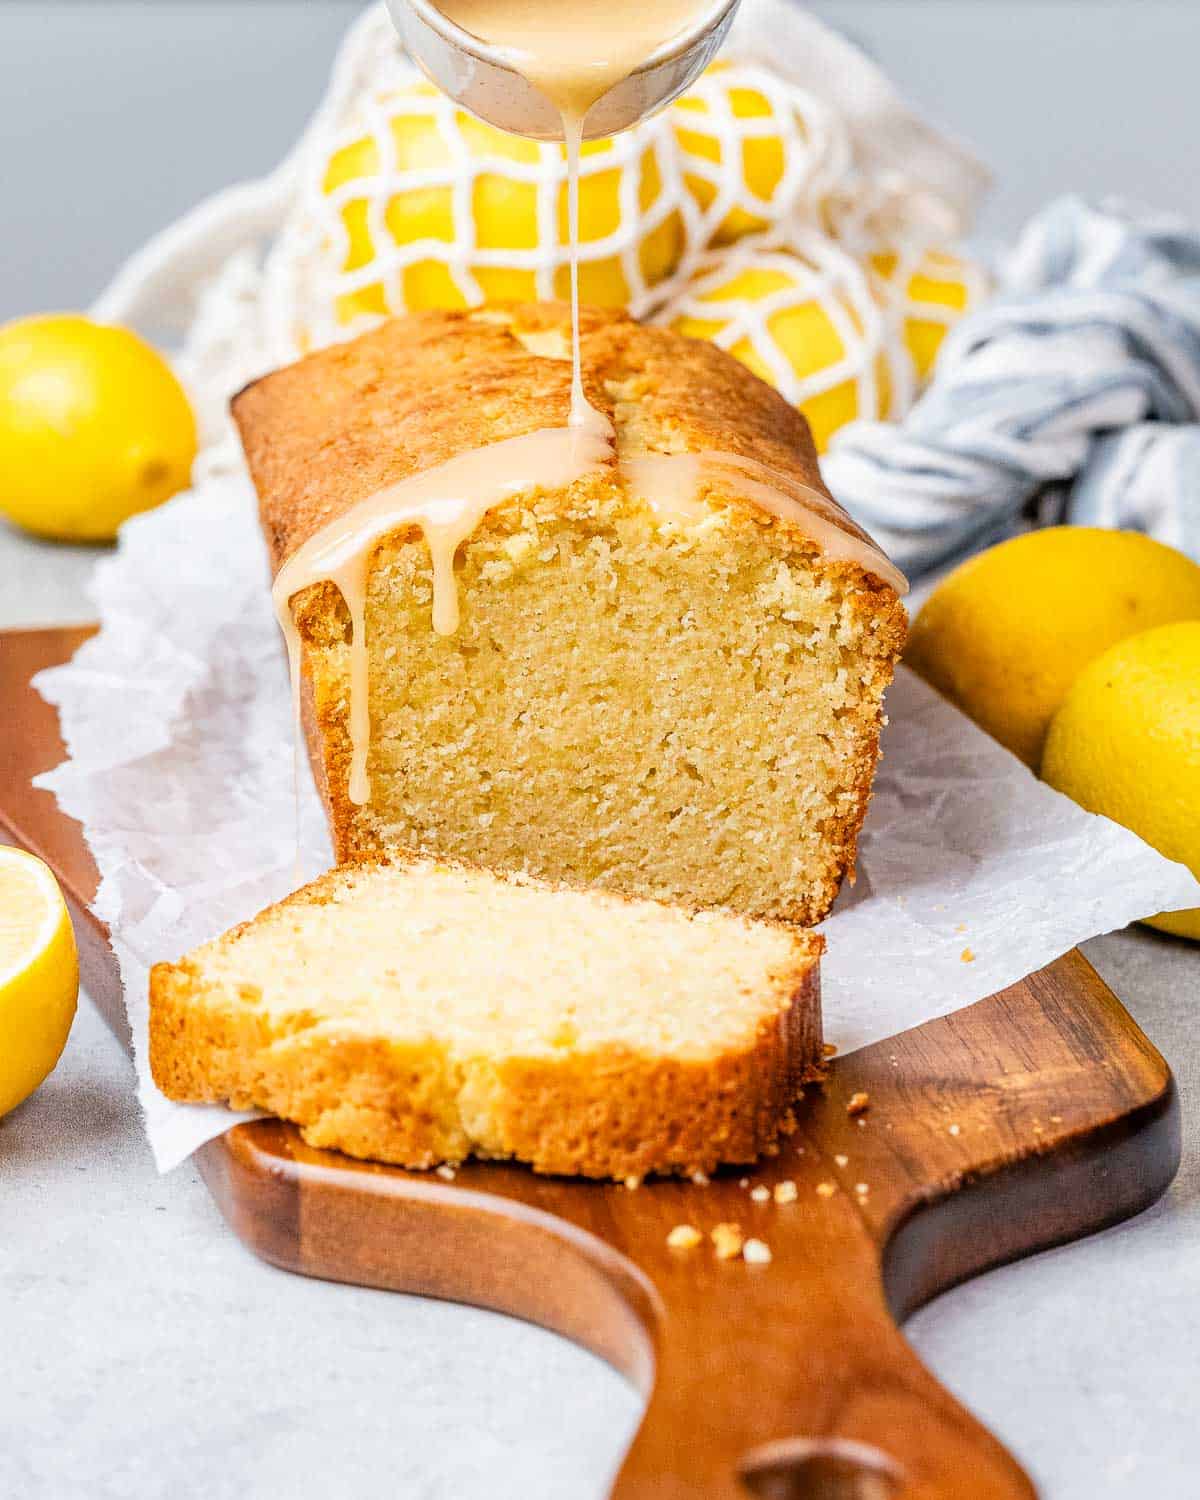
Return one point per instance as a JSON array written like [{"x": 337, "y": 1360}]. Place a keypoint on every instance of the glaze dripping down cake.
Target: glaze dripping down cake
[{"x": 680, "y": 703}]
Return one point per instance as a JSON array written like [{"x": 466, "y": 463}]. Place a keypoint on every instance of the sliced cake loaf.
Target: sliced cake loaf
[
  {"x": 682, "y": 704},
  {"x": 419, "y": 1012}
]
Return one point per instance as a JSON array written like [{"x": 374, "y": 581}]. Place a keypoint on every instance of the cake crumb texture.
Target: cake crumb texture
[
  {"x": 683, "y": 711},
  {"x": 420, "y": 1012}
]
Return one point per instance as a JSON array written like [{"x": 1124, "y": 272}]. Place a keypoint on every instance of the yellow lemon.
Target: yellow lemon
[
  {"x": 1126, "y": 743},
  {"x": 928, "y": 291},
  {"x": 94, "y": 427},
  {"x": 804, "y": 320},
  {"x": 434, "y": 208},
  {"x": 39, "y": 975},
  {"x": 750, "y": 146},
  {"x": 1008, "y": 632}
]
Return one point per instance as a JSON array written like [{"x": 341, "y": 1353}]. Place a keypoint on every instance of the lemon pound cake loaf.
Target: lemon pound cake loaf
[
  {"x": 419, "y": 1012},
  {"x": 653, "y": 661}
]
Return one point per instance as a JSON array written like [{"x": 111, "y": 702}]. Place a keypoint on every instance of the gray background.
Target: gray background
[
  {"x": 143, "y": 1353},
  {"x": 117, "y": 116}
]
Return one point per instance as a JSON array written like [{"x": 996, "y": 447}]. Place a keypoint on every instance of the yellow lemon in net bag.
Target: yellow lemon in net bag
[
  {"x": 1006, "y": 634},
  {"x": 94, "y": 427},
  {"x": 753, "y": 148},
  {"x": 1126, "y": 743},
  {"x": 426, "y": 206},
  {"x": 803, "y": 319},
  {"x": 927, "y": 291}
]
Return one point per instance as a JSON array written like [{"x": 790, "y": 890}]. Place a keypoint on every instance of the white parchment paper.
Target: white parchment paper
[{"x": 178, "y": 729}]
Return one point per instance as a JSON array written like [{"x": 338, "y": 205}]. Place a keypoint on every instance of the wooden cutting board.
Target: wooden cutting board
[{"x": 1029, "y": 1119}]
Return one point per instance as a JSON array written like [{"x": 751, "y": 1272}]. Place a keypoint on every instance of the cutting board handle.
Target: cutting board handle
[
  {"x": 787, "y": 1380},
  {"x": 763, "y": 1391}
]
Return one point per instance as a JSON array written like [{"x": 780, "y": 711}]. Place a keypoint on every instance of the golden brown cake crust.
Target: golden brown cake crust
[
  {"x": 595, "y": 1113},
  {"x": 337, "y": 426}
]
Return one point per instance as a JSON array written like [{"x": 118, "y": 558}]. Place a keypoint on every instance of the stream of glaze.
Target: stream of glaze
[{"x": 573, "y": 54}]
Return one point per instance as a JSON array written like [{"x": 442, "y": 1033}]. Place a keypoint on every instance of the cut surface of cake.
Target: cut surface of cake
[
  {"x": 680, "y": 702},
  {"x": 418, "y": 1012}
]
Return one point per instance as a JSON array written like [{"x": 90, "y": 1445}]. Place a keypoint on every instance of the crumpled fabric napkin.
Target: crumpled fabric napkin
[{"x": 1084, "y": 373}]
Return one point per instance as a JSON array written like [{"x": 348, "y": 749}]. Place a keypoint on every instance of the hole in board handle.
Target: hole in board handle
[{"x": 820, "y": 1469}]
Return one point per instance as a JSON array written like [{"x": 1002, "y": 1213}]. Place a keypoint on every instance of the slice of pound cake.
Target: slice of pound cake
[
  {"x": 419, "y": 1013},
  {"x": 666, "y": 671}
]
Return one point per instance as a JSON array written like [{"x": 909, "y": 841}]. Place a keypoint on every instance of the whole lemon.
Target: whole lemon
[
  {"x": 1126, "y": 743},
  {"x": 804, "y": 320},
  {"x": 739, "y": 122},
  {"x": 39, "y": 975},
  {"x": 94, "y": 427},
  {"x": 438, "y": 209},
  {"x": 928, "y": 291},
  {"x": 1008, "y": 632}
]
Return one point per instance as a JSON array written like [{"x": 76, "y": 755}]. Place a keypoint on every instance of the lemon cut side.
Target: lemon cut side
[{"x": 39, "y": 975}]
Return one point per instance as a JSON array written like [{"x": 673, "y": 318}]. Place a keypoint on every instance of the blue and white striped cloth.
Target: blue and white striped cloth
[{"x": 1078, "y": 385}]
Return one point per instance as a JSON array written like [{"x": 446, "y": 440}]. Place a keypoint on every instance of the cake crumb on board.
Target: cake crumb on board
[
  {"x": 684, "y": 1237},
  {"x": 756, "y": 1253},
  {"x": 728, "y": 1241}
]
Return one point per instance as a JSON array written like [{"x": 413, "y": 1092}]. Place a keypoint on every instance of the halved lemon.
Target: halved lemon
[{"x": 39, "y": 975}]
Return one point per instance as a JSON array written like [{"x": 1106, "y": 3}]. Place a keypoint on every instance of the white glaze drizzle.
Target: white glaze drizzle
[
  {"x": 447, "y": 503},
  {"x": 672, "y": 485}
]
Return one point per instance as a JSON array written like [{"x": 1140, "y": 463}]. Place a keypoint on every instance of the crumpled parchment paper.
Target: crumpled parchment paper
[{"x": 178, "y": 727}]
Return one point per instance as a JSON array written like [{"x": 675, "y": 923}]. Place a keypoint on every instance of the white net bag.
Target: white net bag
[
  {"x": 800, "y": 312},
  {"x": 373, "y": 213},
  {"x": 414, "y": 203},
  {"x": 757, "y": 151},
  {"x": 763, "y": 156},
  {"x": 926, "y": 289}
]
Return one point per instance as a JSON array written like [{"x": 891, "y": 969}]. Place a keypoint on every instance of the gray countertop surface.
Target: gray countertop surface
[
  {"x": 143, "y": 1352},
  {"x": 147, "y": 1355}
]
